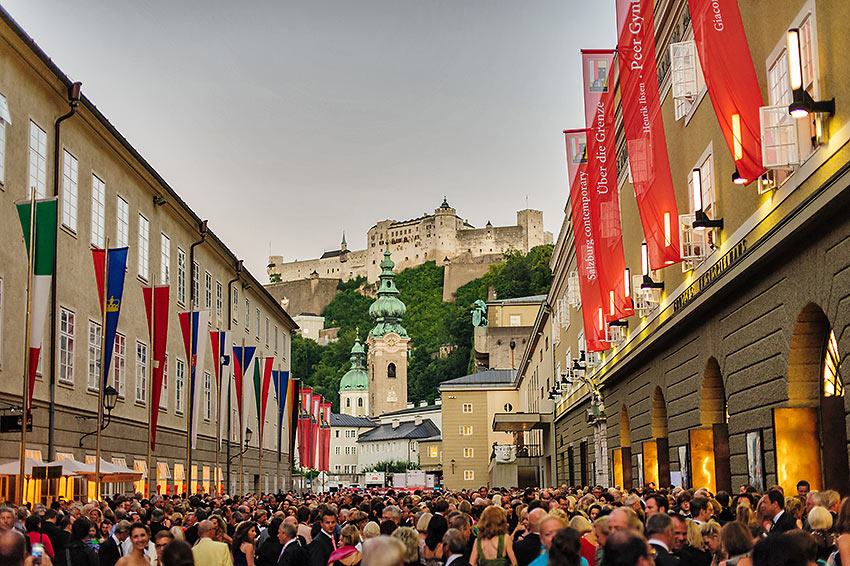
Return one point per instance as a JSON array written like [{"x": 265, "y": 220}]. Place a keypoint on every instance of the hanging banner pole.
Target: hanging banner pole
[
  {"x": 104, "y": 299},
  {"x": 25, "y": 394}
]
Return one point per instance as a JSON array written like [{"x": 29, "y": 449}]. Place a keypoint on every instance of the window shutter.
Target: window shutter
[{"x": 778, "y": 138}]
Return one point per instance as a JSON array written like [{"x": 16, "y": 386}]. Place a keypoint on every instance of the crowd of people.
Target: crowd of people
[{"x": 488, "y": 527}]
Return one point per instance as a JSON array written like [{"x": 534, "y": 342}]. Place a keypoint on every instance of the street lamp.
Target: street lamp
[
  {"x": 110, "y": 399},
  {"x": 248, "y": 434},
  {"x": 453, "y": 465}
]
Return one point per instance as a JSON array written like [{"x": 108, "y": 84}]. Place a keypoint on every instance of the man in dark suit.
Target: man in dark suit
[
  {"x": 191, "y": 534},
  {"x": 454, "y": 544},
  {"x": 292, "y": 553},
  {"x": 110, "y": 549},
  {"x": 324, "y": 543},
  {"x": 774, "y": 508},
  {"x": 527, "y": 549},
  {"x": 659, "y": 530}
]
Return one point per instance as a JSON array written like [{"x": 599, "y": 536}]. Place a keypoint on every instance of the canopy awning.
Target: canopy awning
[
  {"x": 520, "y": 422},
  {"x": 110, "y": 473}
]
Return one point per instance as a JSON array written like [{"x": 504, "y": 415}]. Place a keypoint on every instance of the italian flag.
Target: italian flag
[{"x": 44, "y": 252}]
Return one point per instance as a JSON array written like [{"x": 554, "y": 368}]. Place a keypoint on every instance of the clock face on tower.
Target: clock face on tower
[{"x": 391, "y": 341}]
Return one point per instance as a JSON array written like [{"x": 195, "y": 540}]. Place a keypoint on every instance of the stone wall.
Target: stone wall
[{"x": 305, "y": 295}]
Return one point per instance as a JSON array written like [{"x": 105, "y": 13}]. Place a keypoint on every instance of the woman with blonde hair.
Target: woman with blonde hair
[
  {"x": 492, "y": 546},
  {"x": 409, "y": 537},
  {"x": 346, "y": 553},
  {"x": 710, "y": 532},
  {"x": 372, "y": 529},
  {"x": 588, "y": 538},
  {"x": 177, "y": 526},
  {"x": 700, "y": 556}
]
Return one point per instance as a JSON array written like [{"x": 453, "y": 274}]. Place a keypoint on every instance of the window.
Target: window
[
  {"x": 38, "y": 161},
  {"x": 347, "y": 451},
  {"x": 141, "y": 372},
  {"x": 268, "y": 326},
  {"x": 516, "y": 320},
  {"x": 163, "y": 394},
  {"x": 391, "y": 370},
  {"x": 467, "y": 407},
  {"x": 360, "y": 402},
  {"x": 247, "y": 315},
  {"x": 196, "y": 283},
  {"x": 179, "y": 381},
  {"x": 466, "y": 430},
  {"x": 687, "y": 78},
  {"x": 207, "y": 396},
  {"x": 98, "y": 212},
  {"x": 144, "y": 247},
  {"x": 353, "y": 450},
  {"x": 164, "y": 260},
  {"x": 468, "y": 452},
  {"x": 433, "y": 451},
  {"x": 4, "y": 120},
  {"x": 832, "y": 384},
  {"x": 468, "y": 475},
  {"x": 337, "y": 451},
  {"x": 257, "y": 322},
  {"x": 207, "y": 290},
  {"x": 235, "y": 304},
  {"x": 181, "y": 276},
  {"x": 94, "y": 355},
  {"x": 119, "y": 364},
  {"x": 347, "y": 404},
  {"x": 696, "y": 244},
  {"x": 219, "y": 299},
  {"x": 69, "y": 186},
  {"x": 122, "y": 223},
  {"x": 66, "y": 345},
  {"x": 275, "y": 338}
]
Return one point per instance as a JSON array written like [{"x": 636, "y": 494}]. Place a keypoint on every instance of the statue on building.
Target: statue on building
[{"x": 479, "y": 313}]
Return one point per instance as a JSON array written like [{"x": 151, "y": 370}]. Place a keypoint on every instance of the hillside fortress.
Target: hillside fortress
[{"x": 442, "y": 237}]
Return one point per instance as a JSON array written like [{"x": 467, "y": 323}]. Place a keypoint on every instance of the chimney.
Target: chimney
[
  {"x": 410, "y": 404},
  {"x": 396, "y": 422},
  {"x": 438, "y": 401},
  {"x": 418, "y": 420},
  {"x": 423, "y": 403}
]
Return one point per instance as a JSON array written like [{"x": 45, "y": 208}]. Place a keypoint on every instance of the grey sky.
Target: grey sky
[{"x": 285, "y": 123}]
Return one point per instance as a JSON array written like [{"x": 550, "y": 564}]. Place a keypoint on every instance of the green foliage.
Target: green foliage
[
  {"x": 274, "y": 278},
  {"x": 429, "y": 321},
  {"x": 392, "y": 467}
]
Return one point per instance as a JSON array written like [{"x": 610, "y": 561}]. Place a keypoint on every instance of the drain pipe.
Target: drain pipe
[
  {"x": 73, "y": 102},
  {"x": 190, "y": 398},
  {"x": 230, "y": 327}
]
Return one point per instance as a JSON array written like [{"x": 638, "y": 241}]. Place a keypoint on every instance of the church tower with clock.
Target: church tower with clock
[{"x": 388, "y": 347}]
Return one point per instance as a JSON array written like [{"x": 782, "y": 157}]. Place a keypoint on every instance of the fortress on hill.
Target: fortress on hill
[{"x": 442, "y": 237}]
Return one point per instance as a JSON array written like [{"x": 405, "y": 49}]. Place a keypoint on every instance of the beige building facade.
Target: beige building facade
[
  {"x": 442, "y": 237},
  {"x": 109, "y": 194}
]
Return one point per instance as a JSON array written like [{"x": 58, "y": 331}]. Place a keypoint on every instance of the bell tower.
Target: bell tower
[{"x": 388, "y": 345}]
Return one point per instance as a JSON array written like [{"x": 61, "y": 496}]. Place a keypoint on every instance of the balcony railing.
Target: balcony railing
[{"x": 510, "y": 452}]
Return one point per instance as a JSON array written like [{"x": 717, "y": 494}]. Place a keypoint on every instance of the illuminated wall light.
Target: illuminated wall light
[
  {"x": 611, "y": 302},
  {"x": 601, "y": 319},
  {"x": 736, "y": 137},
  {"x": 795, "y": 67},
  {"x": 802, "y": 104},
  {"x": 644, "y": 260},
  {"x": 627, "y": 283},
  {"x": 668, "y": 237},
  {"x": 696, "y": 182}
]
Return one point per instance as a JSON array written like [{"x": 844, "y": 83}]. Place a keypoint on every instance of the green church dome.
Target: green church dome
[
  {"x": 388, "y": 309},
  {"x": 356, "y": 379}
]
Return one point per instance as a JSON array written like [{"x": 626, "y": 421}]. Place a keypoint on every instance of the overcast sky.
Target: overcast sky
[{"x": 285, "y": 123}]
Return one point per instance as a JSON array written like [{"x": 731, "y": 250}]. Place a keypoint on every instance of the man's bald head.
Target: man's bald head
[
  {"x": 205, "y": 528},
  {"x": 13, "y": 548},
  {"x": 534, "y": 518}
]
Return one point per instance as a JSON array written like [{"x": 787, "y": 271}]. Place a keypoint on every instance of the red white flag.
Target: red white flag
[
  {"x": 644, "y": 130},
  {"x": 156, "y": 306},
  {"x": 585, "y": 243},
  {"x": 731, "y": 80},
  {"x": 602, "y": 179}
]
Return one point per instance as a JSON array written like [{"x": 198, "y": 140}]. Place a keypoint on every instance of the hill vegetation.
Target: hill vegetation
[{"x": 430, "y": 322}]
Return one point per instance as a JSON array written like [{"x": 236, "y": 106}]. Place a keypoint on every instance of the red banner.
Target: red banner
[
  {"x": 325, "y": 440},
  {"x": 156, "y": 307},
  {"x": 644, "y": 130},
  {"x": 264, "y": 394},
  {"x": 305, "y": 435},
  {"x": 586, "y": 258},
  {"x": 602, "y": 179},
  {"x": 731, "y": 80},
  {"x": 314, "y": 430}
]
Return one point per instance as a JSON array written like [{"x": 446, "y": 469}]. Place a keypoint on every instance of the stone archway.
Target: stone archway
[
  {"x": 656, "y": 452},
  {"x": 709, "y": 444},
  {"x": 622, "y": 456}
]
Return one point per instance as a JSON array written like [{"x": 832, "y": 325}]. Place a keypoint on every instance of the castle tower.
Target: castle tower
[
  {"x": 388, "y": 340},
  {"x": 354, "y": 386}
]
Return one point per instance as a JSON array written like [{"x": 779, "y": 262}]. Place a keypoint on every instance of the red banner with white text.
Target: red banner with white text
[
  {"x": 731, "y": 80},
  {"x": 586, "y": 258},
  {"x": 602, "y": 179},
  {"x": 644, "y": 130}
]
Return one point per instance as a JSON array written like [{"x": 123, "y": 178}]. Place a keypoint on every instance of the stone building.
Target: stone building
[
  {"x": 108, "y": 193},
  {"x": 344, "y": 457},
  {"x": 732, "y": 373},
  {"x": 442, "y": 237},
  {"x": 354, "y": 385}
]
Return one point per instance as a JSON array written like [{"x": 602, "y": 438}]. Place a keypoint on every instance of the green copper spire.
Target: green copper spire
[
  {"x": 356, "y": 379},
  {"x": 388, "y": 310}
]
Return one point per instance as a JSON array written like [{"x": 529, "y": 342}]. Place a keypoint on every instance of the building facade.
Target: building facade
[
  {"x": 394, "y": 442},
  {"x": 109, "y": 195},
  {"x": 730, "y": 374},
  {"x": 442, "y": 237},
  {"x": 344, "y": 460}
]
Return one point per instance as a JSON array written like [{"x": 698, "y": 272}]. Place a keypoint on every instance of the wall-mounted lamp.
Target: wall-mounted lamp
[
  {"x": 701, "y": 219},
  {"x": 803, "y": 104},
  {"x": 647, "y": 282},
  {"x": 737, "y": 179},
  {"x": 158, "y": 200},
  {"x": 627, "y": 283},
  {"x": 621, "y": 323}
]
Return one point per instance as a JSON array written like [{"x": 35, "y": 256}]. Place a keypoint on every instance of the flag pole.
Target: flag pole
[
  {"x": 104, "y": 377},
  {"x": 218, "y": 413},
  {"x": 242, "y": 423},
  {"x": 280, "y": 393},
  {"x": 28, "y": 323},
  {"x": 192, "y": 384},
  {"x": 150, "y": 386},
  {"x": 260, "y": 426}
]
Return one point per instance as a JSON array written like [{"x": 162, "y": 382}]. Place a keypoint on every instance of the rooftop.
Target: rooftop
[
  {"x": 531, "y": 299},
  {"x": 413, "y": 410},
  {"x": 347, "y": 420},
  {"x": 490, "y": 377},
  {"x": 406, "y": 430}
]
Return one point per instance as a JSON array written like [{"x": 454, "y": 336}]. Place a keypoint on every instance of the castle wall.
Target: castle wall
[{"x": 305, "y": 295}]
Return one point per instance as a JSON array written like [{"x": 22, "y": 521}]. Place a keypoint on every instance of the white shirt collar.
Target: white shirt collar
[
  {"x": 660, "y": 543},
  {"x": 452, "y": 558},
  {"x": 776, "y": 517}
]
